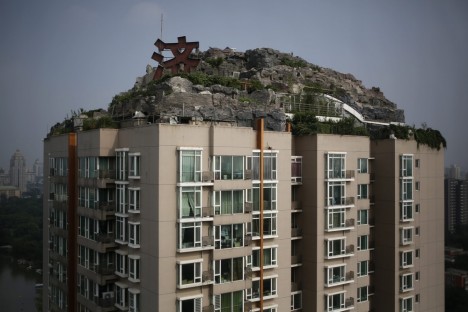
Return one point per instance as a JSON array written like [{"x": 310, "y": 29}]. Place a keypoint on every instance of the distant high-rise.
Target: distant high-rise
[
  {"x": 456, "y": 204},
  {"x": 455, "y": 172},
  {"x": 18, "y": 171}
]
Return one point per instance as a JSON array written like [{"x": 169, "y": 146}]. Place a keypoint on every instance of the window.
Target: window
[
  {"x": 406, "y": 235},
  {"x": 418, "y": 207},
  {"x": 407, "y": 189},
  {"x": 228, "y": 167},
  {"x": 416, "y": 276},
  {"x": 335, "y": 275},
  {"x": 121, "y": 264},
  {"x": 134, "y": 234},
  {"x": 269, "y": 165},
  {"x": 336, "y": 218},
  {"x": 88, "y": 167},
  {"x": 122, "y": 169},
  {"x": 269, "y": 196},
  {"x": 229, "y": 270},
  {"x": 416, "y": 231},
  {"x": 121, "y": 295},
  {"x": 363, "y": 242},
  {"x": 363, "y": 216},
  {"x": 269, "y": 257},
  {"x": 269, "y": 224},
  {"x": 189, "y": 274},
  {"x": 336, "y": 166},
  {"x": 417, "y": 253},
  {"x": 189, "y": 235},
  {"x": 362, "y": 294},
  {"x": 120, "y": 233},
  {"x": 363, "y": 268},
  {"x": 190, "y": 202},
  {"x": 190, "y": 166},
  {"x": 296, "y": 300},
  {"x": 134, "y": 200},
  {"x": 406, "y": 164},
  {"x": 296, "y": 169},
  {"x": 87, "y": 197},
  {"x": 406, "y": 259},
  {"x": 134, "y": 172},
  {"x": 406, "y": 282},
  {"x": 229, "y": 202},
  {"x": 406, "y": 304},
  {"x": 362, "y": 165},
  {"x": 133, "y": 300},
  {"x": 335, "y": 301},
  {"x": 336, "y": 193},
  {"x": 363, "y": 191},
  {"x": 336, "y": 248},
  {"x": 189, "y": 305},
  {"x": 406, "y": 211},
  {"x": 417, "y": 298},
  {"x": 269, "y": 288},
  {"x": 121, "y": 206},
  {"x": 229, "y": 236},
  {"x": 417, "y": 163},
  {"x": 229, "y": 302},
  {"x": 134, "y": 268}
]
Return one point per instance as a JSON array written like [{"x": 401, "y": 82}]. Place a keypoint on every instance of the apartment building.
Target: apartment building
[{"x": 215, "y": 217}]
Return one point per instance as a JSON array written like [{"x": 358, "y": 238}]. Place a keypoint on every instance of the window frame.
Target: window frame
[
  {"x": 134, "y": 163},
  {"x": 360, "y": 167},
  {"x": 197, "y": 273}
]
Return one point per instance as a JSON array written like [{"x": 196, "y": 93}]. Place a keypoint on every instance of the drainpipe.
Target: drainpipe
[
  {"x": 260, "y": 145},
  {"x": 71, "y": 220}
]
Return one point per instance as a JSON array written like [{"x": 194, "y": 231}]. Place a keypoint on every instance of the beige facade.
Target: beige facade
[{"x": 168, "y": 219}]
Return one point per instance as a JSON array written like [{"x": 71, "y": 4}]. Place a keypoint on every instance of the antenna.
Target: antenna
[{"x": 162, "y": 15}]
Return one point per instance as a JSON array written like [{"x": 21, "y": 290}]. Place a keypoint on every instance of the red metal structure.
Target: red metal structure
[{"x": 181, "y": 61}]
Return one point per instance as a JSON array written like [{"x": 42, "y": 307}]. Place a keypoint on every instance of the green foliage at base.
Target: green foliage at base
[
  {"x": 293, "y": 62},
  {"x": 427, "y": 136},
  {"x": 306, "y": 123},
  {"x": 97, "y": 123}
]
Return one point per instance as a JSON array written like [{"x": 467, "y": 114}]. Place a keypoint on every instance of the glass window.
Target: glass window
[
  {"x": 406, "y": 282},
  {"x": 190, "y": 202},
  {"x": 121, "y": 296},
  {"x": 296, "y": 301},
  {"x": 229, "y": 236},
  {"x": 296, "y": 169},
  {"x": 336, "y": 193},
  {"x": 120, "y": 265},
  {"x": 120, "y": 232},
  {"x": 362, "y": 294},
  {"x": 406, "y": 304},
  {"x": 190, "y": 274},
  {"x": 269, "y": 196},
  {"x": 362, "y": 165},
  {"x": 122, "y": 169},
  {"x": 229, "y": 270},
  {"x": 269, "y": 165},
  {"x": 189, "y": 235},
  {"x": 406, "y": 235},
  {"x": 190, "y": 165},
  {"x": 134, "y": 268},
  {"x": 134, "y": 234},
  {"x": 406, "y": 259},
  {"x": 269, "y": 288},
  {"x": 406, "y": 211},
  {"x": 336, "y": 166},
  {"x": 363, "y": 242},
  {"x": 229, "y": 302},
  {"x": 336, "y": 218},
  {"x": 336, "y": 247},
  {"x": 363, "y": 216},
  {"x": 406, "y": 163},
  {"x": 134, "y": 171},
  {"x": 134, "y": 200},
  {"x": 121, "y": 206},
  {"x": 269, "y": 224},
  {"x": 363, "y": 268},
  {"x": 335, "y": 301},
  {"x": 363, "y": 191},
  {"x": 229, "y": 202},
  {"x": 229, "y": 167},
  {"x": 189, "y": 305},
  {"x": 269, "y": 257},
  {"x": 335, "y": 274},
  {"x": 407, "y": 189},
  {"x": 133, "y": 301}
]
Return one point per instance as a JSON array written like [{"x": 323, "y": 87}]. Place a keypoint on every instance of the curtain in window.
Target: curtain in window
[
  {"x": 237, "y": 201},
  {"x": 238, "y": 167},
  {"x": 267, "y": 257},
  {"x": 226, "y": 167},
  {"x": 226, "y": 202},
  {"x": 188, "y": 167},
  {"x": 188, "y": 204}
]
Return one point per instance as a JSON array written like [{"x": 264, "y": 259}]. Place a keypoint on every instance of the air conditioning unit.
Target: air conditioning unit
[{"x": 108, "y": 295}]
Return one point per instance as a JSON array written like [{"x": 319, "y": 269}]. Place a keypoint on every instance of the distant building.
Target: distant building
[
  {"x": 7, "y": 191},
  {"x": 18, "y": 171},
  {"x": 456, "y": 204},
  {"x": 456, "y": 278},
  {"x": 455, "y": 172},
  {"x": 4, "y": 177}
]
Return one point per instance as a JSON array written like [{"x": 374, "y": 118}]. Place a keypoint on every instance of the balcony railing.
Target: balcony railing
[
  {"x": 207, "y": 176},
  {"x": 349, "y": 223},
  {"x": 349, "y": 302},
  {"x": 296, "y": 286},
  {"x": 296, "y": 205},
  {"x": 106, "y": 174},
  {"x": 248, "y": 207},
  {"x": 247, "y": 240},
  {"x": 208, "y": 308},
  {"x": 340, "y": 201},
  {"x": 349, "y": 249},
  {"x": 207, "y": 276},
  {"x": 296, "y": 232},
  {"x": 105, "y": 238},
  {"x": 296, "y": 259},
  {"x": 247, "y": 174},
  {"x": 207, "y": 241},
  {"x": 207, "y": 212},
  {"x": 104, "y": 302}
]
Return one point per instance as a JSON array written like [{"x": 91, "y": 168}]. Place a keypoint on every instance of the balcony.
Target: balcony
[
  {"x": 347, "y": 175},
  {"x": 347, "y": 252},
  {"x": 341, "y": 279},
  {"x": 247, "y": 174},
  {"x": 296, "y": 205},
  {"x": 344, "y": 202},
  {"x": 248, "y": 207},
  {"x": 296, "y": 286},
  {"x": 207, "y": 241},
  {"x": 247, "y": 240},
  {"x": 207, "y": 212},
  {"x": 208, "y": 308},
  {"x": 296, "y": 232},
  {"x": 296, "y": 170},
  {"x": 347, "y": 225},
  {"x": 207, "y": 176},
  {"x": 296, "y": 260},
  {"x": 207, "y": 277}
]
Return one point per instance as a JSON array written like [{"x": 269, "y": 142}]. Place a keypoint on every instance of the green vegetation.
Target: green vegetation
[
  {"x": 21, "y": 227},
  {"x": 426, "y": 136},
  {"x": 102, "y": 122},
  {"x": 293, "y": 62},
  {"x": 306, "y": 123},
  {"x": 215, "y": 61}
]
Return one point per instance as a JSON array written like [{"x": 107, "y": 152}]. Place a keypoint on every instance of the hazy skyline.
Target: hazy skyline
[{"x": 59, "y": 56}]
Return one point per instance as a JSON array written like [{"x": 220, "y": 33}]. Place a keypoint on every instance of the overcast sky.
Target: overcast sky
[{"x": 57, "y": 56}]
